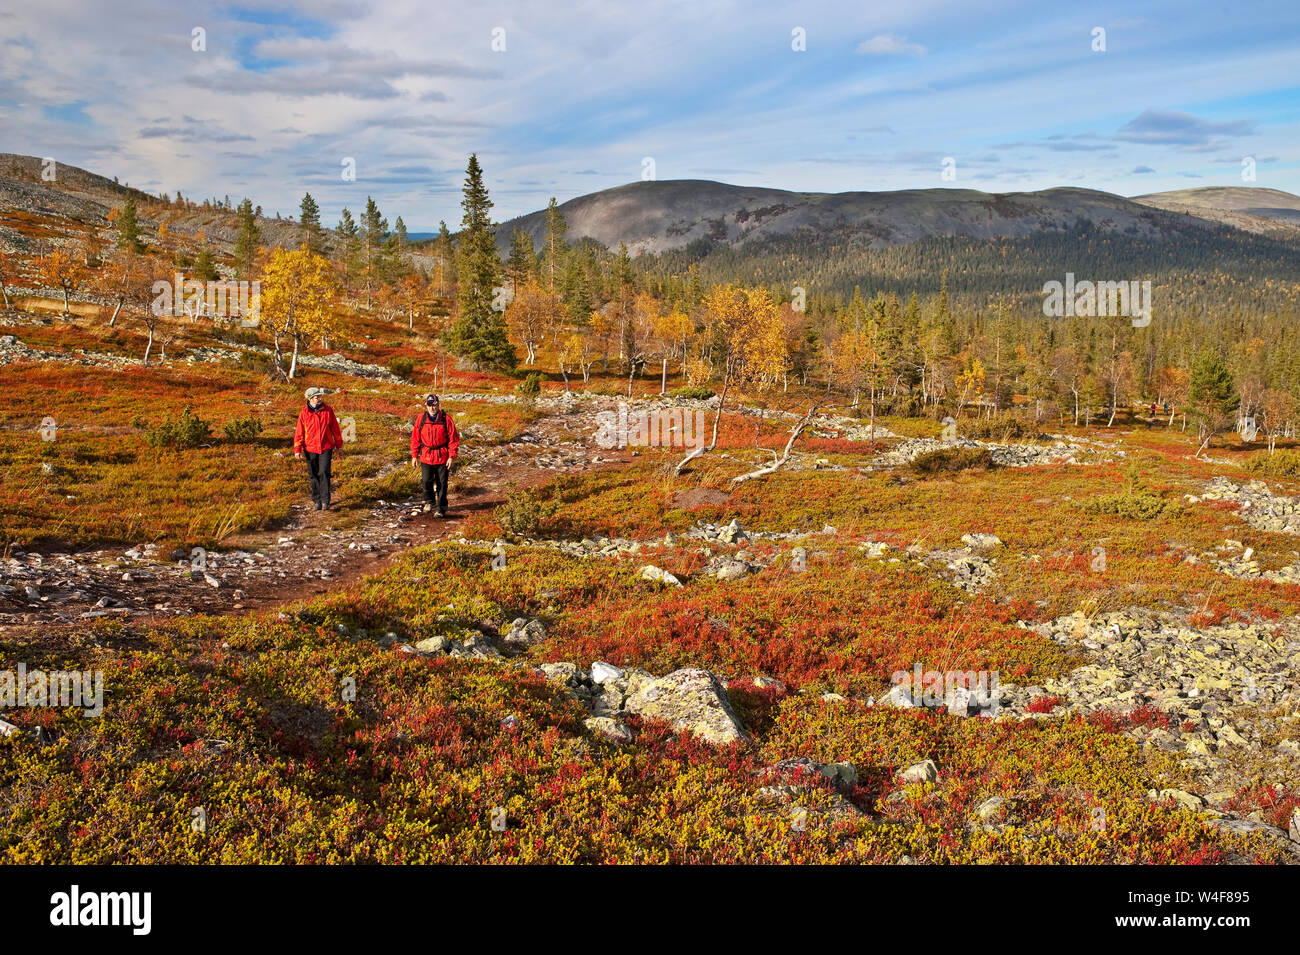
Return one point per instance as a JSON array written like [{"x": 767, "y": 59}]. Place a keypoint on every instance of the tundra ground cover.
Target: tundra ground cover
[
  {"x": 1050, "y": 535},
  {"x": 245, "y": 723}
]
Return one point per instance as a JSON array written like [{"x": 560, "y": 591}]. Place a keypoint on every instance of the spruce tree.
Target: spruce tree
[
  {"x": 309, "y": 217},
  {"x": 128, "y": 228},
  {"x": 246, "y": 239},
  {"x": 205, "y": 270},
  {"x": 479, "y": 332},
  {"x": 577, "y": 294},
  {"x": 1211, "y": 394},
  {"x": 522, "y": 262},
  {"x": 374, "y": 228},
  {"x": 350, "y": 245},
  {"x": 446, "y": 250}
]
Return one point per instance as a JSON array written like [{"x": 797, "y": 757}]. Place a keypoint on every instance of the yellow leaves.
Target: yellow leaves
[
  {"x": 675, "y": 327},
  {"x": 533, "y": 312},
  {"x": 750, "y": 323},
  {"x": 298, "y": 292},
  {"x": 60, "y": 270},
  {"x": 973, "y": 377}
]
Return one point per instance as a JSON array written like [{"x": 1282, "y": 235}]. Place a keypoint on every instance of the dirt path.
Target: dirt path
[{"x": 312, "y": 552}]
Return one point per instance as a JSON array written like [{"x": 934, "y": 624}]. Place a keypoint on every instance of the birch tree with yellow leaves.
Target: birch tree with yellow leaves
[
  {"x": 747, "y": 325},
  {"x": 299, "y": 289},
  {"x": 532, "y": 314}
]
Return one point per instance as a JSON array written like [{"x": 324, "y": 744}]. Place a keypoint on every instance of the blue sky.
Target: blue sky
[{"x": 1015, "y": 94}]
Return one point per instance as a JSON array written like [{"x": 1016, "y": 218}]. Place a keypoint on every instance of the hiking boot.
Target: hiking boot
[
  {"x": 319, "y": 505},
  {"x": 427, "y": 507},
  {"x": 442, "y": 513}
]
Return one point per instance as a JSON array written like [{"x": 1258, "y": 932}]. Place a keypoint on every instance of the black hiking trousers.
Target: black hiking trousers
[
  {"x": 318, "y": 469},
  {"x": 434, "y": 479}
]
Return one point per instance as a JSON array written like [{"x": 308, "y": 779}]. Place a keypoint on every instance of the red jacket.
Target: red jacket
[
  {"x": 317, "y": 430},
  {"x": 434, "y": 442}
]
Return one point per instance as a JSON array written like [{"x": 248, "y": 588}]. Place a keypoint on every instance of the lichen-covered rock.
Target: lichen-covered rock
[
  {"x": 524, "y": 633},
  {"x": 923, "y": 772},
  {"x": 609, "y": 728},
  {"x": 438, "y": 644},
  {"x": 690, "y": 699},
  {"x": 651, "y": 572}
]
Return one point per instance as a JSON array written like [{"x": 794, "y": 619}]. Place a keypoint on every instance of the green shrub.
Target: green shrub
[
  {"x": 1139, "y": 506},
  {"x": 402, "y": 367},
  {"x": 529, "y": 390},
  {"x": 1136, "y": 502},
  {"x": 523, "y": 513},
  {"x": 952, "y": 459},
  {"x": 255, "y": 362},
  {"x": 243, "y": 430},
  {"x": 1277, "y": 464},
  {"x": 693, "y": 392},
  {"x": 180, "y": 434},
  {"x": 1001, "y": 428}
]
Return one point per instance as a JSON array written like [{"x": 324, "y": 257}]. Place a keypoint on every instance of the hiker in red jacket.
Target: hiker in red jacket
[
  {"x": 318, "y": 436},
  {"x": 434, "y": 443}
]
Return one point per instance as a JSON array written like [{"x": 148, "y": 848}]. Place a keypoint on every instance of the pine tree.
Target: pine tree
[
  {"x": 246, "y": 240},
  {"x": 128, "y": 228},
  {"x": 479, "y": 332},
  {"x": 554, "y": 247},
  {"x": 309, "y": 217}
]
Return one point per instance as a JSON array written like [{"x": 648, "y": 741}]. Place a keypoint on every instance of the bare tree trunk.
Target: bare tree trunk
[
  {"x": 722, "y": 401},
  {"x": 776, "y": 465},
  {"x": 663, "y": 381},
  {"x": 117, "y": 309},
  {"x": 293, "y": 364},
  {"x": 148, "y": 347}
]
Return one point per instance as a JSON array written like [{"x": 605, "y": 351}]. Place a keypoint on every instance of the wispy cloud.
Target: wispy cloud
[
  {"x": 1172, "y": 128},
  {"x": 889, "y": 44}
]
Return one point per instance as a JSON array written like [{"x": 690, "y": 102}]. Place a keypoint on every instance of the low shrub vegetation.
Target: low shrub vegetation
[{"x": 942, "y": 460}]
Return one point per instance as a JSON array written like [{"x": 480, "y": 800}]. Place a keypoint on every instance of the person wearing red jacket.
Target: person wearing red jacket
[
  {"x": 318, "y": 436},
  {"x": 434, "y": 444}
]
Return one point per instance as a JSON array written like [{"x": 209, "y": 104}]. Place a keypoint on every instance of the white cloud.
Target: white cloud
[{"x": 890, "y": 44}]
